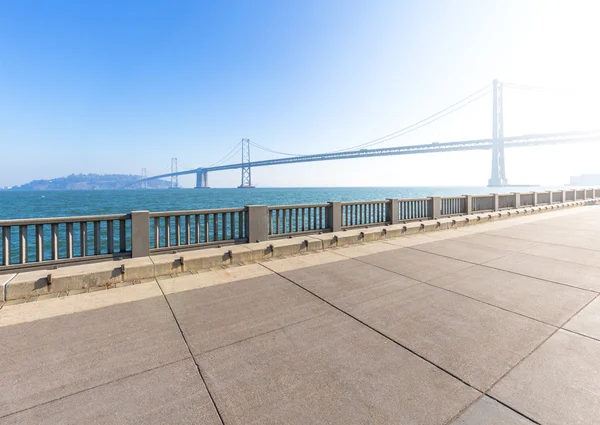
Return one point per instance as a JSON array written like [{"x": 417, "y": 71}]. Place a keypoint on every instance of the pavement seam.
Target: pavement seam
[
  {"x": 464, "y": 295},
  {"x": 191, "y": 354},
  {"x": 580, "y": 334},
  {"x": 96, "y": 386},
  {"x": 547, "y": 243},
  {"x": 377, "y": 331},
  {"x": 539, "y": 278},
  {"x": 486, "y": 392},
  {"x": 262, "y": 334}
]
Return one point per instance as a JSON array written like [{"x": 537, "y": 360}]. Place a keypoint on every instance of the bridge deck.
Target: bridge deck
[{"x": 494, "y": 324}]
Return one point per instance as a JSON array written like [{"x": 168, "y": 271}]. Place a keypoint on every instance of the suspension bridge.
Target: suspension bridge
[{"x": 497, "y": 144}]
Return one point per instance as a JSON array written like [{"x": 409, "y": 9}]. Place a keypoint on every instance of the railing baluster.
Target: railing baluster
[
  {"x": 83, "y": 238},
  {"x": 6, "y": 245},
  {"x": 177, "y": 230},
  {"x": 54, "y": 240},
  {"x": 23, "y": 244},
  {"x": 69, "y": 241},
  {"x": 206, "y": 228},
  {"x": 223, "y": 226},
  {"x": 167, "y": 231},
  {"x": 122, "y": 235},
  {"x": 156, "y": 232},
  {"x": 97, "y": 239},
  {"x": 187, "y": 240},
  {"x": 39, "y": 242},
  {"x": 197, "y": 228},
  {"x": 110, "y": 236},
  {"x": 277, "y": 221},
  {"x": 215, "y": 227},
  {"x": 232, "y": 225}
]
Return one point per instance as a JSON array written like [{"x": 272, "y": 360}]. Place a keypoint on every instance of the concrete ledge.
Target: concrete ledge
[{"x": 113, "y": 273}]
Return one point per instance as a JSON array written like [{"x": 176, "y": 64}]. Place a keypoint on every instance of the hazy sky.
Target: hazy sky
[{"x": 115, "y": 86}]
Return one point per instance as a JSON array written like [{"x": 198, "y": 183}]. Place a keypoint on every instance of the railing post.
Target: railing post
[
  {"x": 257, "y": 223},
  {"x": 517, "y": 199},
  {"x": 334, "y": 216},
  {"x": 564, "y": 196},
  {"x": 550, "y": 197},
  {"x": 469, "y": 201},
  {"x": 535, "y": 199},
  {"x": 436, "y": 207},
  {"x": 392, "y": 211},
  {"x": 496, "y": 202},
  {"x": 140, "y": 234}
]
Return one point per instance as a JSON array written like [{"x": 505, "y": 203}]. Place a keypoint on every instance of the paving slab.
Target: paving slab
[
  {"x": 587, "y": 321},
  {"x": 558, "y": 384},
  {"x": 224, "y": 314},
  {"x": 361, "y": 250},
  {"x": 463, "y": 251},
  {"x": 587, "y": 257},
  {"x": 547, "y": 234},
  {"x": 345, "y": 283},
  {"x": 491, "y": 241},
  {"x": 59, "y": 356},
  {"x": 329, "y": 370},
  {"x": 489, "y": 412},
  {"x": 577, "y": 275},
  {"x": 472, "y": 340},
  {"x": 171, "y": 394},
  {"x": 419, "y": 265},
  {"x": 539, "y": 299}
]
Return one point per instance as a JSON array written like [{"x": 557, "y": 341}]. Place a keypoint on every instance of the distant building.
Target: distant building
[{"x": 585, "y": 180}]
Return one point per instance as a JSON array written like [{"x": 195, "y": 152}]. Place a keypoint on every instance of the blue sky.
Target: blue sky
[{"x": 115, "y": 86}]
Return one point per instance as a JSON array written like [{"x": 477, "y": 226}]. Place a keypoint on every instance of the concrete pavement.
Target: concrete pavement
[{"x": 492, "y": 324}]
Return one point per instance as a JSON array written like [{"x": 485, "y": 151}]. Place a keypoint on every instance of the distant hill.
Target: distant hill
[{"x": 91, "y": 182}]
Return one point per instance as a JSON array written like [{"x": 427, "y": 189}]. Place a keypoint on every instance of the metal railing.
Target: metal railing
[
  {"x": 544, "y": 198},
  {"x": 55, "y": 241},
  {"x": 557, "y": 197},
  {"x": 482, "y": 203},
  {"x": 363, "y": 213},
  {"x": 289, "y": 220},
  {"x": 450, "y": 206},
  {"x": 193, "y": 228},
  {"x": 507, "y": 201},
  {"x": 414, "y": 209},
  {"x": 527, "y": 199},
  {"x": 68, "y": 239}
]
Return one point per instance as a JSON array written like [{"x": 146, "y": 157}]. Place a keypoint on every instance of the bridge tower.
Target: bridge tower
[
  {"x": 201, "y": 179},
  {"x": 246, "y": 171},
  {"x": 498, "y": 173},
  {"x": 174, "y": 178},
  {"x": 144, "y": 175}
]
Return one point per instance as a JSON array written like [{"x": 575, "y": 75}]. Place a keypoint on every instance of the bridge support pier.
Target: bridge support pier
[
  {"x": 202, "y": 179},
  {"x": 498, "y": 173}
]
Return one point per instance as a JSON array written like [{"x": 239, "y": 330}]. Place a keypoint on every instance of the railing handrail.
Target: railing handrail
[
  {"x": 380, "y": 201},
  {"x": 195, "y": 212},
  {"x": 61, "y": 220},
  {"x": 291, "y": 207},
  {"x": 413, "y": 199}
]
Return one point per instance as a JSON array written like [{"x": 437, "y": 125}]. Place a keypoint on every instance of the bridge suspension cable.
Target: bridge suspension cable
[
  {"x": 426, "y": 121},
  {"x": 273, "y": 151},
  {"x": 236, "y": 149},
  {"x": 422, "y": 123}
]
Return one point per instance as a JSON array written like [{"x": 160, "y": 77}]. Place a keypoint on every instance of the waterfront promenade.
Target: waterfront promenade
[{"x": 496, "y": 323}]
